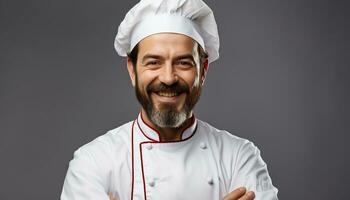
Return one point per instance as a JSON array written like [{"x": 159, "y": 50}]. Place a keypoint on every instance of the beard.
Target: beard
[{"x": 167, "y": 115}]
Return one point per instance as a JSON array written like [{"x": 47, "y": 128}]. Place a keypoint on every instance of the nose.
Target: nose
[{"x": 168, "y": 75}]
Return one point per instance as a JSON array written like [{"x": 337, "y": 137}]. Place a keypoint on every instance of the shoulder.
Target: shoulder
[
  {"x": 229, "y": 148},
  {"x": 116, "y": 137},
  {"x": 94, "y": 162},
  {"x": 223, "y": 138},
  {"x": 102, "y": 149},
  {"x": 241, "y": 161}
]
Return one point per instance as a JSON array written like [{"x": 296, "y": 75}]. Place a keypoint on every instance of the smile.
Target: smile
[
  {"x": 168, "y": 94},
  {"x": 168, "y": 97}
]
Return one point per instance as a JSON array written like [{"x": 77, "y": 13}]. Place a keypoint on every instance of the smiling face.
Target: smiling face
[{"x": 168, "y": 79}]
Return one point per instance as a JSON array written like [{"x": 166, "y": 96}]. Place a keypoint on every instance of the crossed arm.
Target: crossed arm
[
  {"x": 238, "y": 194},
  {"x": 84, "y": 182}
]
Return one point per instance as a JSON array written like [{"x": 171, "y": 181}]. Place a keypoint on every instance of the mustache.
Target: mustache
[{"x": 161, "y": 87}]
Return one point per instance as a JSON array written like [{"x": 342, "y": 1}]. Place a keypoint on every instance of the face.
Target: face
[{"x": 167, "y": 79}]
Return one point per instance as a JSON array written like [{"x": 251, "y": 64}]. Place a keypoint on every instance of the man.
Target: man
[{"x": 166, "y": 153}]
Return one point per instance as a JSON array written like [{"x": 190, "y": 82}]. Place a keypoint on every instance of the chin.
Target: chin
[{"x": 169, "y": 107}]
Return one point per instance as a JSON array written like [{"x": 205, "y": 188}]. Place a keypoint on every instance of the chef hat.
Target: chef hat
[{"x": 189, "y": 17}]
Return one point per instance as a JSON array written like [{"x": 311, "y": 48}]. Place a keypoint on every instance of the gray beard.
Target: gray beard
[
  {"x": 169, "y": 118},
  {"x": 167, "y": 115}
]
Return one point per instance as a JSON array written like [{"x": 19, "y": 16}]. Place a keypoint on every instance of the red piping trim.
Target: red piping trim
[
  {"x": 132, "y": 161},
  {"x": 143, "y": 173},
  {"x": 140, "y": 146},
  {"x": 137, "y": 121},
  {"x": 158, "y": 133},
  {"x": 150, "y": 127},
  {"x": 193, "y": 119},
  {"x": 142, "y": 170},
  {"x": 194, "y": 131}
]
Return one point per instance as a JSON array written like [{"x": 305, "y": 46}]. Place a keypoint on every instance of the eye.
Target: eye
[
  {"x": 153, "y": 62},
  {"x": 185, "y": 63}
]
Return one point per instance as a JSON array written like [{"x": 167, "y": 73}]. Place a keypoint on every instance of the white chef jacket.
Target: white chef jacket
[{"x": 131, "y": 163}]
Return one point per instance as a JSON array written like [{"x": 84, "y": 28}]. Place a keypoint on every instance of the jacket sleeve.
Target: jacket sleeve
[
  {"x": 84, "y": 179},
  {"x": 251, "y": 172}
]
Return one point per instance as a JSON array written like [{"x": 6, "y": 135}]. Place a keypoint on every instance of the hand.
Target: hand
[
  {"x": 111, "y": 197},
  {"x": 240, "y": 194}
]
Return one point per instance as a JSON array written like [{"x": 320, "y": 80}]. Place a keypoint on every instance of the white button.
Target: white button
[
  {"x": 210, "y": 180},
  {"x": 149, "y": 146},
  {"x": 203, "y": 145},
  {"x": 152, "y": 183}
]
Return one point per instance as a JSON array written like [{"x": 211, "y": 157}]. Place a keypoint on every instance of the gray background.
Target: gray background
[{"x": 282, "y": 81}]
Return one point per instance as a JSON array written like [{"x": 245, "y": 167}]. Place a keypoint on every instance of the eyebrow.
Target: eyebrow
[
  {"x": 186, "y": 56},
  {"x": 154, "y": 56},
  {"x": 149, "y": 56}
]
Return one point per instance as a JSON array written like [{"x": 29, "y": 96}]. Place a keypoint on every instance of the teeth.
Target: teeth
[{"x": 167, "y": 94}]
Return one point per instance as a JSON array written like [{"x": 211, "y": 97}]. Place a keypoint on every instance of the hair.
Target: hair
[{"x": 133, "y": 56}]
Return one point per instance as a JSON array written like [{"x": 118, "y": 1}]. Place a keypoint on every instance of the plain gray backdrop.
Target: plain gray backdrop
[{"x": 282, "y": 81}]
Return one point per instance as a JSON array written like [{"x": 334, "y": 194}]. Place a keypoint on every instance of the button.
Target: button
[
  {"x": 149, "y": 146},
  {"x": 152, "y": 183},
  {"x": 203, "y": 145},
  {"x": 210, "y": 180}
]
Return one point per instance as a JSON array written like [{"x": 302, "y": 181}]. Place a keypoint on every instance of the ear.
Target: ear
[
  {"x": 205, "y": 70},
  {"x": 131, "y": 71}
]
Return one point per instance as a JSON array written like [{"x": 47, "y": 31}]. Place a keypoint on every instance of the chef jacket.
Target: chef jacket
[{"x": 131, "y": 163}]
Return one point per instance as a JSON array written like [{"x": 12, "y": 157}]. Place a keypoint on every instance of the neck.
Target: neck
[{"x": 167, "y": 134}]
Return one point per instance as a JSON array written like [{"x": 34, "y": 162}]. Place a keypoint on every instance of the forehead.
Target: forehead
[{"x": 167, "y": 44}]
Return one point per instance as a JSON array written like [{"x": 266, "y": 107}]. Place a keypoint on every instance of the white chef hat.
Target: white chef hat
[{"x": 189, "y": 17}]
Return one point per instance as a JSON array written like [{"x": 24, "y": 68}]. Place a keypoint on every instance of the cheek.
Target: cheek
[
  {"x": 145, "y": 78},
  {"x": 191, "y": 78}
]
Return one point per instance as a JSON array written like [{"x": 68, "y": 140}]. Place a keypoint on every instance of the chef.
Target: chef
[{"x": 166, "y": 153}]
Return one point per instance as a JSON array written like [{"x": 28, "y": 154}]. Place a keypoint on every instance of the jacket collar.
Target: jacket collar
[{"x": 153, "y": 134}]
